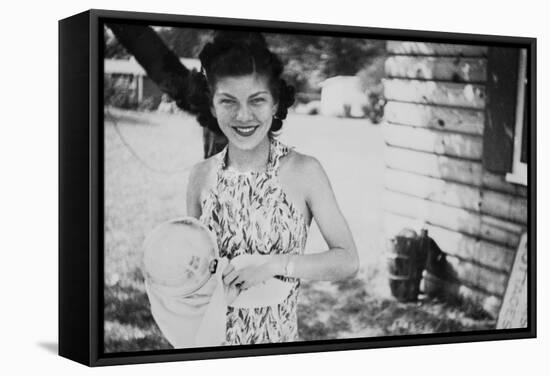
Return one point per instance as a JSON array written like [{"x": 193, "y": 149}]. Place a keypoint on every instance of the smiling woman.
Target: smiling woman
[
  {"x": 257, "y": 196},
  {"x": 244, "y": 109}
]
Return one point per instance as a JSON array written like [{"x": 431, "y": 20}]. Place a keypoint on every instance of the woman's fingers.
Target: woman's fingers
[
  {"x": 245, "y": 277},
  {"x": 232, "y": 276},
  {"x": 228, "y": 269},
  {"x": 239, "y": 283},
  {"x": 243, "y": 285},
  {"x": 228, "y": 274},
  {"x": 234, "y": 279},
  {"x": 229, "y": 278}
]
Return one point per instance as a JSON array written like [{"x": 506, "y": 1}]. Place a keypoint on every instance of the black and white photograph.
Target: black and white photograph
[
  {"x": 276, "y": 188},
  {"x": 267, "y": 187}
]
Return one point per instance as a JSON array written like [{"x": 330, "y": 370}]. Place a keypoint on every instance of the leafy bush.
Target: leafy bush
[
  {"x": 149, "y": 104},
  {"x": 117, "y": 92}
]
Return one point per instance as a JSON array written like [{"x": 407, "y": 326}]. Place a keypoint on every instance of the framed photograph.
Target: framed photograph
[{"x": 234, "y": 187}]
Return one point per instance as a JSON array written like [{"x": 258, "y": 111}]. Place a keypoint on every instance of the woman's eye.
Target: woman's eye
[
  {"x": 258, "y": 100},
  {"x": 226, "y": 101}
]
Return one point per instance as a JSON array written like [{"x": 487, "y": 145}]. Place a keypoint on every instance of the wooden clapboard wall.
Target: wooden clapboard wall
[{"x": 434, "y": 129}]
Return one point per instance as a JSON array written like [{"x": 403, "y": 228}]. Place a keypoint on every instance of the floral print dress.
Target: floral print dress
[{"x": 250, "y": 214}]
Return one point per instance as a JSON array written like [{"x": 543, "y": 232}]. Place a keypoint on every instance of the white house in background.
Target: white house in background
[
  {"x": 137, "y": 77},
  {"x": 343, "y": 96}
]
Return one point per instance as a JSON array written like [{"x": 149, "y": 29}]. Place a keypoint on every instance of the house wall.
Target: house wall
[{"x": 435, "y": 123}]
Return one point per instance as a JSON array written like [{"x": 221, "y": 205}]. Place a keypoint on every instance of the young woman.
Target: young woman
[{"x": 258, "y": 196}]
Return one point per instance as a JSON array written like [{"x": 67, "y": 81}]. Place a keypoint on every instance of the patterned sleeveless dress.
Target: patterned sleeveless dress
[{"x": 250, "y": 214}]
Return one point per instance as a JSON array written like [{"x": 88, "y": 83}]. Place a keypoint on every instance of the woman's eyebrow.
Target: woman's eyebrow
[
  {"x": 259, "y": 93},
  {"x": 251, "y": 95}
]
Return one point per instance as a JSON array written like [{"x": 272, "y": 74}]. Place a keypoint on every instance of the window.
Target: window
[
  {"x": 506, "y": 132},
  {"x": 519, "y": 162}
]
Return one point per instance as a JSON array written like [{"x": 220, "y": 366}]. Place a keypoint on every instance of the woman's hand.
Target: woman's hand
[
  {"x": 242, "y": 278},
  {"x": 231, "y": 291}
]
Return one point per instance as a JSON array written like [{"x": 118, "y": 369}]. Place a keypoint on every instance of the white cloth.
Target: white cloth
[{"x": 199, "y": 320}]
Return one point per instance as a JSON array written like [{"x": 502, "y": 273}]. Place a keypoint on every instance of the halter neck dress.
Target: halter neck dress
[{"x": 250, "y": 214}]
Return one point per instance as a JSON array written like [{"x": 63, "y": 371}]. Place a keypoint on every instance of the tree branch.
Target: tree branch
[{"x": 160, "y": 63}]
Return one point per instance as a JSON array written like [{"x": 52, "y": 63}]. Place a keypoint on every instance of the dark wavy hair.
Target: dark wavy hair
[{"x": 233, "y": 53}]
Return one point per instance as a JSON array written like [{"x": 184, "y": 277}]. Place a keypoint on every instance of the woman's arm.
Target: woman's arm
[
  {"x": 197, "y": 177},
  {"x": 338, "y": 262},
  {"x": 341, "y": 259}
]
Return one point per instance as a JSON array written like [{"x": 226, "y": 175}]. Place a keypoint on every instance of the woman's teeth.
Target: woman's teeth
[{"x": 245, "y": 131}]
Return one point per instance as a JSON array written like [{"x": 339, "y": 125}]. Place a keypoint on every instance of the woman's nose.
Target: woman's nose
[{"x": 244, "y": 113}]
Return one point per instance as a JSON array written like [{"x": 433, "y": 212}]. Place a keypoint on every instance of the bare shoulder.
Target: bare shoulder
[
  {"x": 305, "y": 165},
  {"x": 202, "y": 175},
  {"x": 202, "y": 168},
  {"x": 306, "y": 173}
]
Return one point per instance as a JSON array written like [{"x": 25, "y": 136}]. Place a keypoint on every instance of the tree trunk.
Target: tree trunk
[{"x": 164, "y": 68}]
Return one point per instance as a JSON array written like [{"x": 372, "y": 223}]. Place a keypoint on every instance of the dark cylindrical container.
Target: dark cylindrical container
[{"x": 406, "y": 261}]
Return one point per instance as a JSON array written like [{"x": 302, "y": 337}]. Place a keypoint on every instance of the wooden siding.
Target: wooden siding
[
  {"x": 453, "y": 69},
  {"x": 461, "y": 220},
  {"x": 449, "y": 168},
  {"x": 437, "y": 93},
  {"x": 435, "y": 129},
  {"x": 434, "y": 141},
  {"x": 466, "y": 247},
  {"x": 499, "y": 205},
  {"x": 434, "y": 117},
  {"x": 435, "y": 49}
]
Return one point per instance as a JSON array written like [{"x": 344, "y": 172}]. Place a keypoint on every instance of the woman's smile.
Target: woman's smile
[{"x": 245, "y": 131}]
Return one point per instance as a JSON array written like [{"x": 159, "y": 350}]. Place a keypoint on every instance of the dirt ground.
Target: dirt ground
[{"x": 147, "y": 161}]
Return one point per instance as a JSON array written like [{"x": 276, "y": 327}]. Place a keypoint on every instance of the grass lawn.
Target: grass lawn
[{"x": 146, "y": 173}]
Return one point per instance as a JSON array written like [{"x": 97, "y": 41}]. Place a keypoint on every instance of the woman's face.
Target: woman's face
[{"x": 244, "y": 108}]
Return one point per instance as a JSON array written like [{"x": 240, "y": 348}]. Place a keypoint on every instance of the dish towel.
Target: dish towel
[{"x": 199, "y": 319}]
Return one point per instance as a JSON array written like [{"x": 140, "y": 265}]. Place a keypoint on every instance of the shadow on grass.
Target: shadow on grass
[
  {"x": 129, "y": 325},
  {"x": 127, "y": 305},
  {"x": 345, "y": 309}
]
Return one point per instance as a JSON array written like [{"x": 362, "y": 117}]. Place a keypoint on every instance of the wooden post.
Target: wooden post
[{"x": 513, "y": 313}]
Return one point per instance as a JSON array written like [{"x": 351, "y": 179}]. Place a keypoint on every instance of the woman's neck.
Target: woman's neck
[{"x": 249, "y": 160}]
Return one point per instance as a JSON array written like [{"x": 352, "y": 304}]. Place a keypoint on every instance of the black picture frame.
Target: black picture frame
[{"x": 81, "y": 189}]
